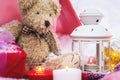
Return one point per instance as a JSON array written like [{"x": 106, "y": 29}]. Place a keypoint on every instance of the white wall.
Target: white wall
[{"x": 109, "y": 8}]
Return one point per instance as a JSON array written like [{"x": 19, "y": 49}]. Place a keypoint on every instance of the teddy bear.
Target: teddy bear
[{"x": 33, "y": 35}]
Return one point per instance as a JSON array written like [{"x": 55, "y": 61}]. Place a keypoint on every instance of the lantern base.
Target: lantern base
[{"x": 91, "y": 68}]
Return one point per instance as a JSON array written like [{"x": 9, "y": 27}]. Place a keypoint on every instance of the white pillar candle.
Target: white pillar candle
[{"x": 67, "y": 74}]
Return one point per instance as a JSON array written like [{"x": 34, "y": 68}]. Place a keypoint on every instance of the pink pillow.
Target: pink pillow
[
  {"x": 68, "y": 20},
  {"x": 8, "y": 11}
]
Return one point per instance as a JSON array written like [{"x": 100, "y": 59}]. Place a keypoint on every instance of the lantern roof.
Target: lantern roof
[
  {"x": 91, "y": 17},
  {"x": 91, "y": 12},
  {"x": 91, "y": 31}
]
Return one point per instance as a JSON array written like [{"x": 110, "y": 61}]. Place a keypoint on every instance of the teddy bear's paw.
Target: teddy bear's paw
[
  {"x": 51, "y": 56},
  {"x": 14, "y": 27},
  {"x": 71, "y": 60}
]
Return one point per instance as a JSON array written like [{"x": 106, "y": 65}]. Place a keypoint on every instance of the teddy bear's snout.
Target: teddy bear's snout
[{"x": 47, "y": 23}]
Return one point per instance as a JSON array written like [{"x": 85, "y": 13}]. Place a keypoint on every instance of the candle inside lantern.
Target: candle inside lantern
[
  {"x": 67, "y": 74},
  {"x": 39, "y": 73},
  {"x": 91, "y": 65},
  {"x": 91, "y": 60},
  {"x": 66, "y": 68}
]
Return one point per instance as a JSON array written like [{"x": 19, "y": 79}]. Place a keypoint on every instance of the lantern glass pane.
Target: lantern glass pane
[
  {"x": 106, "y": 52},
  {"x": 94, "y": 54},
  {"x": 88, "y": 51}
]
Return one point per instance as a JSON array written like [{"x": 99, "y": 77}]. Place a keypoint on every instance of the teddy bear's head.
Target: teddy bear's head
[{"x": 39, "y": 14}]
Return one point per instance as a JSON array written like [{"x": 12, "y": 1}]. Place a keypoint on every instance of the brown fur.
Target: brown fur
[
  {"x": 14, "y": 27},
  {"x": 38, "y": 15}
]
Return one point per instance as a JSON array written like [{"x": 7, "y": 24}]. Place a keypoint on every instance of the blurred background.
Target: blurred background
[{"x": 109, "y": 8}]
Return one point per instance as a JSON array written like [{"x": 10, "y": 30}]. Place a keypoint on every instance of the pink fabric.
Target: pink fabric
[
  {"x": 3, "y": 61},
  {"x": 68, "y": 20},
  {"x": 112, "y": 76},
  {"x": 8, "y": 11}
]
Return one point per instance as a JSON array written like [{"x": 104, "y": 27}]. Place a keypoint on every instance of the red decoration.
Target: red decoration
[
  {"x": 15, "y": 61},
  {"x": 45, "y": 75},
  {"x": 85, "y": 75}
]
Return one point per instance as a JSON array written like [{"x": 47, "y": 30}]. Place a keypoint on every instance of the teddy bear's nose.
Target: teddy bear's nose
[{"x": 47, "y": 23}]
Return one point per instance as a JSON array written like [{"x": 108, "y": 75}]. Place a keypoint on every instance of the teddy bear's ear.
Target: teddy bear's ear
[
  {"x": 56, "y": 7},
  {"x": 25, "y": 5}
]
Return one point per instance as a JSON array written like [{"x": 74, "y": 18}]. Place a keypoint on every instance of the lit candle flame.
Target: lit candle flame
[
  {"x": 66, "y": 68},
  {"x": 39, "y": 69},
  {"x": 92, "y": 60}
]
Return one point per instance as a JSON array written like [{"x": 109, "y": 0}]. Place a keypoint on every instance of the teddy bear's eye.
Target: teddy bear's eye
[
  {"x": 50, "y": 14},
  {"x": 37, "y": 12}
]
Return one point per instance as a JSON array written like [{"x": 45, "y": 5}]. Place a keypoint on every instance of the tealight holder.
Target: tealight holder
[{"x": 39, "y": 73}]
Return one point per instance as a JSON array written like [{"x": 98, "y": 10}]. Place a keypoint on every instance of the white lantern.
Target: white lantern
[{"x": 91, "y": 41}]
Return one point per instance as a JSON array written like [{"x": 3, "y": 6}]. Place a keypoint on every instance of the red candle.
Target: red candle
[
  {"x": 85, "y": 75},
  {"x": 39, "y": 74}
]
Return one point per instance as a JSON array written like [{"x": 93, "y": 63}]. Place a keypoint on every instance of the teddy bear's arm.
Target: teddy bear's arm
[
  {"x": 71, "y": 60},
  {"x": 53, "y": 43},
  {"x": 14, "y": 27}
]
